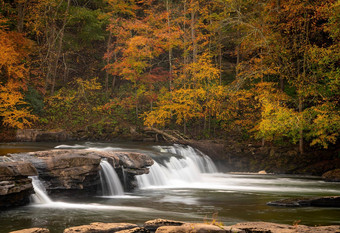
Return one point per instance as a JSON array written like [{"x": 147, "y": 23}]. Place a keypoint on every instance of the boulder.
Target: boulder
[
  {"x": 152, "y": 225},
  {"x": 32, "y": 230},
  {"x": 135, "y": 230},
  {"x": 15, "y": 186},
  {"x": 191, "y": 228},
  {"x": 267, "y": 227},
  {"x": 332, "y": 176},
  {"x": 98, "y": 227},
  {"x": 333, "y": 201}
]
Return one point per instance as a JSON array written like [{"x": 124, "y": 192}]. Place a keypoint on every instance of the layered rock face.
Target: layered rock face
[
  {"x": 70, "y": 172},
  {"x": 15, "y": 186}
]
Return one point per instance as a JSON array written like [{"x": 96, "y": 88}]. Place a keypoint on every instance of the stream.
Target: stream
[{"x": 183, "y": 184}]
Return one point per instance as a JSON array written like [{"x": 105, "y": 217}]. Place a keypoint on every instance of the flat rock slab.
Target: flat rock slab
[
  {"x": 191, "y": 228},
  {"x": 152, "y": 225},
  {"x": 333, "y": 201},
  {"x": 98, "y": 227},
  {"x": 266, "y": 227},
  {"x": 135, "y": 230},
  {"x": 32, "y": 230},
  {"x": 12, "y": 170}
]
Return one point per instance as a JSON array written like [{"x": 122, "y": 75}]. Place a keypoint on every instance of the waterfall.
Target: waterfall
[
  {"x": 40, "y": 196},
  {"x": 185, "y": 168},
  {"x": 111, "y": 185}
]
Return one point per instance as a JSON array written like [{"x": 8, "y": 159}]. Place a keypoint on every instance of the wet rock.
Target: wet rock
[
  {"x": 32, "y": 230},
  {"x": 191, "y": 228},
  {"x": 67, "y": 172},
  {"x": 152, "y": 225},
  {"x": 266, "y": 227},
  {"x": 332, "y": 176},
  {"x": 15, "y": 186},
  {"x": 135, "y": 230},
  {"x": 38, "y": 135},
  {"x": 98, "y": 227},
  {"x": 333, "y": 201}
]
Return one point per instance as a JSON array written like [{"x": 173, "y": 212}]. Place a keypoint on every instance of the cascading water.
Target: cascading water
[
  {"x": 111, "y": 185},
  {"x": 40, "y": 196},
  {"x": 186, "y": 169}
]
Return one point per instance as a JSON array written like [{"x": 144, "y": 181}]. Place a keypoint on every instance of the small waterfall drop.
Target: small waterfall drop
[
  {"x": 188, "y": 168},
  {"x": 40, "y": 196},
  {"x": 111, "y": 185}
]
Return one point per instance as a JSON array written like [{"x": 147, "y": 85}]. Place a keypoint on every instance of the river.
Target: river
[{"x": 179, "y": 187}]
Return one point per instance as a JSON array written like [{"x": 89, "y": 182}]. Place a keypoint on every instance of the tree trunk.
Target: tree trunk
[
  {"x": 301, "y": 126},
  {"x": 193, "y": 33},
  {"x": 170, "y": 45},
  {"x": 21, "y": 8},
  {"x": 107, "y": 62},
  {"x": 61, "y": 37}
]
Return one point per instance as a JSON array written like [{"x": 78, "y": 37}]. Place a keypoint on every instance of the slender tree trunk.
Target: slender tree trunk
[
  {"x": 193, "y": 32},
  {"x": 185, "y": 59},
  {"x": 61, "y": 37},
  {"x": 301, "y": 126},
  {"x": 21, "y": 8},
  {"x": 114, "y": 79},
  {"x": 170, "y": 45},
  {"x": 220, "y": 61},
  {"x": 107, "y": 62}
]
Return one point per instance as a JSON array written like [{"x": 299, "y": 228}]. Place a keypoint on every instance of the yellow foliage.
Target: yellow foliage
[{"x": 13, "y": 109}]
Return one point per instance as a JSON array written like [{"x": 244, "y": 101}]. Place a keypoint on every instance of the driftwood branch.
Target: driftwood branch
[{"x": 167, "y": 136}]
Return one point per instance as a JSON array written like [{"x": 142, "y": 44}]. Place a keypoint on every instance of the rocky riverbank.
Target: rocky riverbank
[
  {"x": 169, "y": 226},
  {"x": 64, "y": 172}
]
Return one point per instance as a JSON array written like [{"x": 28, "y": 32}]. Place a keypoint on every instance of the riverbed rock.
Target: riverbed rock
[
  {"x": 135, "y": 230},
  {"x": 98, "y": 227},
  {"x": 32, "y": 230},
  {"x": 191, "y": 228},
  {"x": 15, "y": 186},
  {"x": 332, "y": 176},
  {"x": 66, "y": 172},
  {"x": 333, "y": 201},
  {"x": 152, "y": 225},
  {"x": 267, "y": 227}
]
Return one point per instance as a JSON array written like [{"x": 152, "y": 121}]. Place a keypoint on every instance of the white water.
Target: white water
[
  {"x": 186, "y": 169},
  {"x": 40, "y": 196},
  {"x": 42, "y": 200},
  {"x": 111, "y": 185}
]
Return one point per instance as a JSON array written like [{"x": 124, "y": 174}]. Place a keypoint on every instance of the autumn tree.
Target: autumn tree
[{"x": 14, "y": 77}]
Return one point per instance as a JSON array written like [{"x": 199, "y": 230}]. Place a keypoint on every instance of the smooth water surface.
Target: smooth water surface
[{"x": 179, "y": 195}]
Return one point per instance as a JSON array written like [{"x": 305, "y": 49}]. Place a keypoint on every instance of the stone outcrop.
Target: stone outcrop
[
  {"x": 267, "y": 227},
  {"x": 332, "y": 176},
  {"x": 170, "y": 226},
  {"x": 135, "y": 230},
  {"x": 15, "y": 186},
  {"x": 191, "y": 228},
  {"x": 152, "y": 225},
  {"x": 38, "y": 135},
  {"x": 310, "y": 201},
  {"x": 32, "y": 230},
  {"x": 76, "y": 171},
  {"x": 98, "y": 227}
]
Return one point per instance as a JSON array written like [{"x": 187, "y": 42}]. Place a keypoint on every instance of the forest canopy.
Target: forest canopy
[{"x": 262, "y": 69}]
